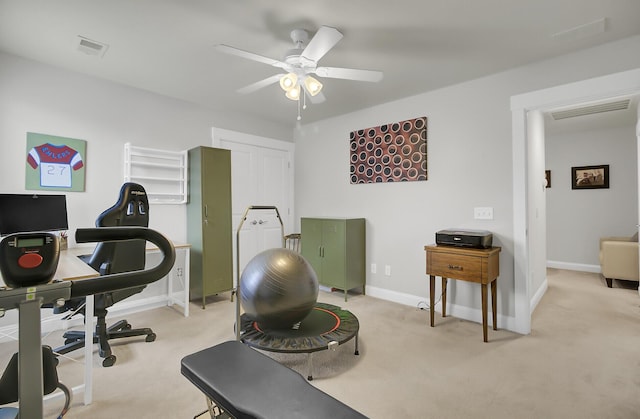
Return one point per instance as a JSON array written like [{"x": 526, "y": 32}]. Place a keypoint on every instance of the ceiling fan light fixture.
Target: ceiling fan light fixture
[
  {"x": 288, "y": 81},
  {"x": 312, "y": 85},
  {"x": 293, "y": 93}
]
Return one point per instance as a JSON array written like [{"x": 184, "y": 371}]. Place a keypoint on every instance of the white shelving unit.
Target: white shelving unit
[{"x": 162, "y": 173}]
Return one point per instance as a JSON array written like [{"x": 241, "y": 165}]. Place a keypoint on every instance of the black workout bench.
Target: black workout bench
[{"x": 245, "y": 383}]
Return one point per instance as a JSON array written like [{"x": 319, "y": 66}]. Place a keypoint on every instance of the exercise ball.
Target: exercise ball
[{"x": 278, "y": 288}]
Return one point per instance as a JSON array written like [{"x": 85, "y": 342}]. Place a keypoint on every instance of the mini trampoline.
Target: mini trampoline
[{"x": 326, "y": 327}]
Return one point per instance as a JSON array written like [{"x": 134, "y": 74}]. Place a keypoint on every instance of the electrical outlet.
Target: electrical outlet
[
  {"x": 387, "y": 270},
  {"x": 483, "y": 213},
  {"x": 374, "y": 268}
]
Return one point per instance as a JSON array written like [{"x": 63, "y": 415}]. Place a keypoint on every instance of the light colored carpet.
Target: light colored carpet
[{"x": 580, "y": 361}]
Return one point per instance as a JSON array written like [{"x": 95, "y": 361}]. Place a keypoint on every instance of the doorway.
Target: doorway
[
  {"x": 589, "y": 135},
  {"x": 529, "y": 270}
]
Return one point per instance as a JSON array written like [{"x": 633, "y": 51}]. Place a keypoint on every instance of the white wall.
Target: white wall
[
  {"x": 469, "y": 163},
  {"x": 576, "y": 219},
  {"x": 469, "y": 157},
  {"x": 44, "y": 99}
]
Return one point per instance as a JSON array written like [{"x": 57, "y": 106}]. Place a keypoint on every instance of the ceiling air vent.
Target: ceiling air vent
[
  {"x": 592, "y": 109},
  {"x": 583, "y": 31},
  {"x": 90, "y": 47}
]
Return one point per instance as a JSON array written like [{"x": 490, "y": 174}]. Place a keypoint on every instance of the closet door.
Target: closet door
[{"x": 260, "y": 175}]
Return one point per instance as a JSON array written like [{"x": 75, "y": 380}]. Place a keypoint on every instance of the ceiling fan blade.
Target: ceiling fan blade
[
  {"x": 321, "y": 43},
  {"x": 260, "y": 84},
  {"x": 249, "y": 55},
  {"x": 349, "y": 74}
]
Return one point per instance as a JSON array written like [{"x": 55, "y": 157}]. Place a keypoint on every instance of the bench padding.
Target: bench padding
[{"x": 248, "y": 384}]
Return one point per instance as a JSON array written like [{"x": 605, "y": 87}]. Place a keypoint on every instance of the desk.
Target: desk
[
  {"x": 171, "y": 299},
  {"x": 474, "y": 265},
  {"x": 71, "y": 268},
  {"x": 169, "y": 295}
]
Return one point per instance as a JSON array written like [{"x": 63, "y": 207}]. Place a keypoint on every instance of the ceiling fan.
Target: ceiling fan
[{"x": 301, "y": 62}]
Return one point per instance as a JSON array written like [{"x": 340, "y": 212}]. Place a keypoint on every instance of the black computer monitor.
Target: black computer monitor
[{"x": 31, "y": 212}]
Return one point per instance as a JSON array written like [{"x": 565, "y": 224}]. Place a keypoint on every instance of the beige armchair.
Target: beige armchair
[{"x": 619, "y": 258}]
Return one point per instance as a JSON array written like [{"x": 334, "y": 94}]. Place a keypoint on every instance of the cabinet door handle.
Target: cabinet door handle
[
  {"x": 456, "y": 267},
  {"x": 206, "y": 211},
  {"x": 262, "y": 222},
  {"x": 254, "y": 222}
]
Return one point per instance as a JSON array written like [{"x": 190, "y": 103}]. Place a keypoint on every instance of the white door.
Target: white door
[{"x": 261, "y": 175}]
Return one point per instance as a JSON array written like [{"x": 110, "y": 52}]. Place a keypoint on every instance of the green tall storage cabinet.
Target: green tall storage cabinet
[
  {"x": 209, "y": 222},
  {"x": 335, "y": 248}
]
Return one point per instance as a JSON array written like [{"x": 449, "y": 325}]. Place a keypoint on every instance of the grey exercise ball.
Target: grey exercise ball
[{"x": 278, "y": 288}]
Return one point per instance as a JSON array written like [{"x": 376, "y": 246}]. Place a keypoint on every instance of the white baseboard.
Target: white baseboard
[
  {"x": 574, "y": 266},
  {"x": 395, "y": 296},
  {"x": 461, "y": 312},
  {"x": 52, "y": 323},
  {"x": 538, "y": 295}
]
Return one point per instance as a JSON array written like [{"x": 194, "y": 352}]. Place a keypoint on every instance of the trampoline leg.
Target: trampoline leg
[
  {"x": 356, "y": 352},
  {"x": 310, "y": 366}
]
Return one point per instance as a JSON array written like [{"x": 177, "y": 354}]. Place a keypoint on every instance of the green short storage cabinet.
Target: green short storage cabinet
[{"x": 335, "y": 247}]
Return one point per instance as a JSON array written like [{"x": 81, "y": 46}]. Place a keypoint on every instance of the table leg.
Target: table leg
[
  {"x": 444, "y": 297},
  {"x": 432, "y": 291},
  {"x": 89, "y": 327},
  {"x": 494, "y": 303},
  {"x": 484, "y": 311}
]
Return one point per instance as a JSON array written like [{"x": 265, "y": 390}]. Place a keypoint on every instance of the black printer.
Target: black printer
[{"x": 481, "y": 239}]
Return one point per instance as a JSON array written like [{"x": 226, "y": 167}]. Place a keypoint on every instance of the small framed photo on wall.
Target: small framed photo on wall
[
  {"x": 547, "y": 178},
  {"x": 590, "y": 177}
]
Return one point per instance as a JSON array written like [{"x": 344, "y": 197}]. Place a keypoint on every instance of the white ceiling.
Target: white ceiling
[{"x": 166, "y": 46}]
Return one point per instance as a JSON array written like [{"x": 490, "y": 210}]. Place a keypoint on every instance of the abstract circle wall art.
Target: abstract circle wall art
[{"x": 394, "y": 152}]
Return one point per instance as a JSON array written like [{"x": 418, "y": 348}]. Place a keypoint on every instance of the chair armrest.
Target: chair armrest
[{"x": 619, "y": 259}]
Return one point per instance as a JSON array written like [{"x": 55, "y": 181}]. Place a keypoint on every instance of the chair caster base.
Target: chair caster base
[{"x": 109, "y": 361}]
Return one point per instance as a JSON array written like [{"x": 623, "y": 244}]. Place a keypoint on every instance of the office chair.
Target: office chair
[
  {"x": 9, "y": 384},
  {"x": 132, "y": 209}
]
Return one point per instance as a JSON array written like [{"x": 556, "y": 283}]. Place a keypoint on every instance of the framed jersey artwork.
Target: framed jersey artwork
[{"x": 55, "y": 163}]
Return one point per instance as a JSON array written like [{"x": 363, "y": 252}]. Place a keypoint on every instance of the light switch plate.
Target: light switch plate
[{"x": 483, "y": 213}]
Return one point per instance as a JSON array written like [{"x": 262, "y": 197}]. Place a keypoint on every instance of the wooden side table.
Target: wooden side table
[{"x": 466, "y": 264}]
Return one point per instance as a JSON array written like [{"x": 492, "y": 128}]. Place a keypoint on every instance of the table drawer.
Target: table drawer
[{"x": 449, "y": 265}]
